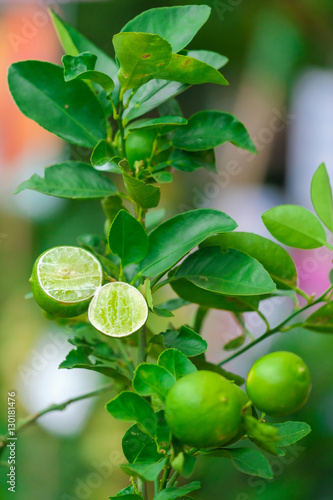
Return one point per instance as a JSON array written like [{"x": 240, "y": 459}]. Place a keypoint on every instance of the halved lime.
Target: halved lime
[
  {"x": 118, "y": 309},
  {"x": 64, "y": 279}
]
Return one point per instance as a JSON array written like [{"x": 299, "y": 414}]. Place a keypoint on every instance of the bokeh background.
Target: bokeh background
[{"x": 281, "y": 87}]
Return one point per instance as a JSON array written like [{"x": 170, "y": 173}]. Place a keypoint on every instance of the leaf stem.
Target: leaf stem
[
  {"x": 142, "y": 352},
  {"x": 165, "y": 477},
  {"x": 173, "y": 479}
]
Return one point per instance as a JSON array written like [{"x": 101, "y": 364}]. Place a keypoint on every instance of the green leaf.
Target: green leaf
[
  {"x": 128, "y": 238},
  {"x": 105, "y": 158},
  {"x": 146, "y": 195},
  {"x": 272, "y": 256},
  {"x": 188, "y": 161},
  {"x": 248, "y": 461},
  {"x": 185, "y": 340},
  {"x": 69, "y": 110},
  {"x": 111, "y": 206},
  {"x": 152, "y": 379},
  {"x": 173, "y": 304},
  {"x": 140, "y": 55},
  {"x": 291, "y": 432},
  {"x": 154, "y": 218},
  {"x": 163, "y": 177},
  {"x": 147, "y": 471},
  {"x": 176, "y": 363},
  {"x": 321, "y": 196},
  {"x": 170, "y": 108},
  {"x": 262, "y": 434},
  {"x": 172, "y": 493},
  {"x": 70, "y": 179},
  {"x": 202, "y": 364},
  {"x": 168, "y": 22},
  {"x": 186, "y": 69},
  {"x": 156, "y": 92},
  {"x": 161, "y": 123},
  {"x": 184, "y": 464},
  {"x": 236, "y": 342},
  {"x": 295, "y": 226},
  {"x": 74, "y": 42},
  {"x": 81, "y": 67},
  {"x": 128, "y": 496},
  {"x": 208, "y": 129},
  {"x": 230, "y": 273},
  {"x": 129, "y": 406},
  {"x": 174, "y": 238},
  {"x": 321, "y": 320},
  {"x": 190, "y": 292}
]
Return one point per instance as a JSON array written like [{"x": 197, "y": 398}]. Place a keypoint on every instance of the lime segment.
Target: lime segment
[{"x": 118, "y": 309}]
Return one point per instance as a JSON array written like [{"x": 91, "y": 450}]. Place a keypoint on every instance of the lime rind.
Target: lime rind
[
  {"x": 69, "y": 274},
  {"x": 118, "y": 309}
]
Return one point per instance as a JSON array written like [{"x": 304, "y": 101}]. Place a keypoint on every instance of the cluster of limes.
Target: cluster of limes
[{"x": 67, "y": 281}]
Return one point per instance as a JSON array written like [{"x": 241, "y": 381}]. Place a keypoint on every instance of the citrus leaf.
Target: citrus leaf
[
  {"x": 127, "y": 496},
  {"x": 147, "y": 471},
  {"x": 73, "y": 43},
  {"x": 291, "y": 432},
  {"x": 173, "y": 304},
  {"x": 128, "y": 238},
  {"x": 146, "y": 195},
  {"x": 164, "y": 122},
  {"x": 168, "y": 22},
  {"x": 129, "y": 406},
  {"x": 176, "y": 363},
  {"x": 81, "y": 67},
  {"x": 152, "y": 379},
  {"x": 173, "y": 493},
  {"x": 272, "y": 256},
  {"x": 174, "y": 238},
  {"x": 295, "y": 226},
  {"x": 70, "y": 179},
  {"x": 184, "y": 464},
  {"x": 105, "y": 158},
  {"x": 188, "y": 161},
  {"x": 208, "y": 129},
  {"x": 186, "y": 340},
  {"x": 262, "y": 434},
  {"x": 231, "y": 272},
  {"x": 321, "y": 320},
  {"x": 189, "y": 291},
  {"x": 68, "y": 110},
  {"x": 202, "y": 364},
  {"x": 248, "y": 461},
  {"x": 321, "y": 196},
  {"x": 140, "y": 56},
  {"x": 154, "y": 218},
  {"x": 156, "y": 92}
]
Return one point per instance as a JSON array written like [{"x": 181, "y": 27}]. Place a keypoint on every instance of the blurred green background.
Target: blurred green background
[{"x": 269, "y": 45}]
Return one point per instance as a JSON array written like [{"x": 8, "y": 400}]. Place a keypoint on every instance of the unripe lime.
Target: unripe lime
[
  {"x": 203, "y": 410},
  {"x": 279, "y": 383},
  {"x": 139, "y": 145}
]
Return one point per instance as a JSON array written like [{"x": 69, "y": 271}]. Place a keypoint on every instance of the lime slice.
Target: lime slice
[
  {"x": 118, "y": 309},
  {"x": 64, "y": 279}
]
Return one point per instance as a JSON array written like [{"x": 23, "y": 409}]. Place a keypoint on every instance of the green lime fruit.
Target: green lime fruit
[
  {"x": 118, "y": 309},
  {"x": 279, "y": 383},
  {"x": 203, "y": 409},
  {"x": 64, "y": 279},
  {"x": 139, "y": 145}
]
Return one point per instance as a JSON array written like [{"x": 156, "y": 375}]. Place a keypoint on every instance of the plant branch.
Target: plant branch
[
  {"x": 173, "y": 479},
  {"x": 142, "y": 352},
  {"x": 199, "y": 317}
]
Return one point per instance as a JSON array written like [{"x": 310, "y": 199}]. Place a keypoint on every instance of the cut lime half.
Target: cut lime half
[
  {"x": 118, "y": 309},
  {"x": 64, "y": 279}
]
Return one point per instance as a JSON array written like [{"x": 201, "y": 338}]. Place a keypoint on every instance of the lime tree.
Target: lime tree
[{"x": 64, "y": 279}]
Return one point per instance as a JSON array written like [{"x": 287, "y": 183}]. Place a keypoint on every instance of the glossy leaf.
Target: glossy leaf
[
  {"x": 173, "y": 239},
  {"x": 291, "y": 432},
  {"x": 176, "y": 363},
  {"x": 294, "y": 226},
  {"x": 321, "y": 196},
  {"x": 202, "y": 364},
  {"x": 208, "y": 129},
  {"x": 273, "y": 257},
  {"x": 128, "y": 238},
  {"x": 131, "y": 407},
  {"x": 70, "y": 179},
  {"x": 81, "y": 67},
  {"x": 156, "y": 92},
  {"x": 161, "y": 123},
  {"x": 105, "y": 158},
  {"x": 263, "y": 435},
  {"x": 190, "y": 292},
  {"x": 173, "y": 304},
  {"x": 140, "y": 54},
  {"x": 146, "y": 195},
  {"x": 163, "y": 177},
  {"x": 147, "y": 471},
  {"x": 230, "y": 273},
  {"x": 152, "y": 379},
  {"x": 73, "y": 43},
  {"x": 173, "y": 493},
  {"x": 68, "y": 110},
  {"x": 321, "y": 320},
  {"x": 248, "y": 461},
  {"x": 170, "y": 108},
  {"x": 185, "y": 340},
  {"x": 168, "y": 22},
  {"x": 188, "y": 161}
]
